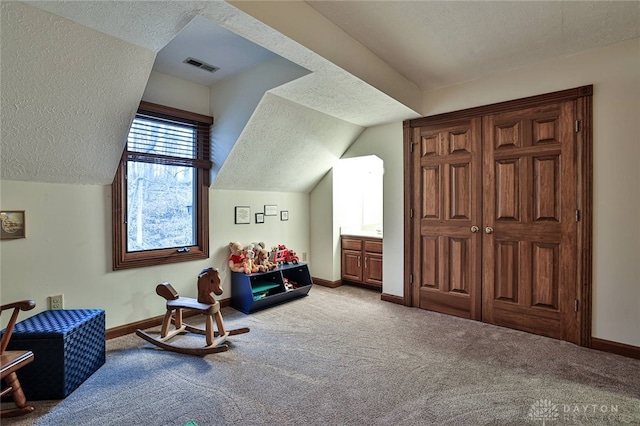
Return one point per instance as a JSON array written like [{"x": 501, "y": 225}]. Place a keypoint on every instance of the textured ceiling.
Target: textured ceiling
[
  {"x": 203, "y": 40},
  {"x": 441, "y": 43},
  {"x": 69, "y": 89},
  {"x": 334, "y": 105},
  {"x": 64, "y": 115},
  {"x": 286, "y": 165}
]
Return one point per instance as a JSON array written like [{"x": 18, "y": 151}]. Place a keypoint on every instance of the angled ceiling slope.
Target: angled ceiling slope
[
  {"x": 328, "y": 94},
  {"x": 68, "y": 94},
  {"x": 204, "y": 41}
]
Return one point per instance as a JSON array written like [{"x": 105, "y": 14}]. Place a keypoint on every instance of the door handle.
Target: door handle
[
  {"x": 474, "y": 229},
  {"x": 488, "y": 230}
]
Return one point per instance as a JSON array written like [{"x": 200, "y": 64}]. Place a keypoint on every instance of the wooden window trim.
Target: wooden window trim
[{"x": 124, "y": 260}]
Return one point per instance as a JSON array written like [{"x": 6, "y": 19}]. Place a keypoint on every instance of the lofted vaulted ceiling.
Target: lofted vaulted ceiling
[{"x": 73, "y": 73}]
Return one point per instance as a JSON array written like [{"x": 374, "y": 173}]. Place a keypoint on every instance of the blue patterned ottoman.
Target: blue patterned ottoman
[{"x": 68, "y": 345}]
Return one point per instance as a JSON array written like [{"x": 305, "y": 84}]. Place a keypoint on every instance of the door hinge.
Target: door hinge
[
  {"x": 410, "y": 278},
  {"x": 410, "y": 212},
  {"x": 412, "y": 143},
  {"x": 577, "y": 215},
  {"x": 577, "y": 126},
  {"x": 575, "y": 305}
]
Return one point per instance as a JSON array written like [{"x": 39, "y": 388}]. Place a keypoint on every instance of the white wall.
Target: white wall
[
  {"x": 324, "y": 234},
  {"x": 167, "y": 90},
  {"x": 615, "y": 73},
  {"x": 68, "y": 249},
  {"x": 294, "y": 233}
]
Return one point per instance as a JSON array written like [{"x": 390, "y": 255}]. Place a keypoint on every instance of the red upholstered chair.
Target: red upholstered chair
[{"x": 12, "y": 361}]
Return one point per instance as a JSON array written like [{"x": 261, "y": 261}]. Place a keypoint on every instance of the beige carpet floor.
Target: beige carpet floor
[{"x": 343, "y": 357}]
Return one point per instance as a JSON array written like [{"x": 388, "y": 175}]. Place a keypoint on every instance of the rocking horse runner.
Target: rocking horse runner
[{"x": 206, "y": 304}]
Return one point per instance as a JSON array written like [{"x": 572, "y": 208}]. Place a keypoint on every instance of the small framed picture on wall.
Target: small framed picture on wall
[
  {"x": 13, "y": 224},
  {"x": 259, "y": 217},
  {"x": 270, "y": 210},
  {"x": 284, "y": 215},
  {"x": 243, "y": 215}
]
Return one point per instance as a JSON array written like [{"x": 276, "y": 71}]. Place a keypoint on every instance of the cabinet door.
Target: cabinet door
[
  {"x": 373, "y": 269},
  {"x": 352, "y": 265}
]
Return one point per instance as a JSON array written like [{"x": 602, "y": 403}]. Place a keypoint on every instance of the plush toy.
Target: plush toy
[
  {"x": 250, "y": 265},
  {"x": 258, "y": 246},
  {"x": 236, "y": 260},
  {"x": 264, "y": 264}
]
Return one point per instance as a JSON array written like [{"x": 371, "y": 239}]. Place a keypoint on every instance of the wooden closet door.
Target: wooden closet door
[
  {"x": 446, "y": 251},
  {"x": 529, "y": 221}
]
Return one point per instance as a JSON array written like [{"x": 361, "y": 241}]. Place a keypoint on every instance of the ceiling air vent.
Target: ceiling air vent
[{"x": 200, "y": 64}]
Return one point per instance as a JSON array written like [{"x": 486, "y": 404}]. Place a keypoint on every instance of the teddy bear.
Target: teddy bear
[
  {"x": 257, "y": 247},
  {"x": 249, "y": 264},
  {"x": 236, "y": 260},
  {"x": 264, "y": 264}
]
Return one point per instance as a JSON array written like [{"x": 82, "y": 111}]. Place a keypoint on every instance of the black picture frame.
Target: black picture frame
[{"x": 242, "y": 215}]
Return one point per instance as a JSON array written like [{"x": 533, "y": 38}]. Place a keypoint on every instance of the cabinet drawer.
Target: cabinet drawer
[
  {"x": 373, "y": 246},
  {"x": 351, "y": 244}
]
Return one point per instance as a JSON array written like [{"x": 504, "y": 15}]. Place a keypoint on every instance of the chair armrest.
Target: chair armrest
[{"x": 22, "y": 305}]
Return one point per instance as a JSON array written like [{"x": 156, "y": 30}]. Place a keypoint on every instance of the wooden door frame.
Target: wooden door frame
[{"x": 583, "y": 96}]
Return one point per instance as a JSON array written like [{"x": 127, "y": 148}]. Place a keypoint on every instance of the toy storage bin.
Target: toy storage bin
[
  {"x": 252, "y": 292},
  {"x": 69, "y": 345}
]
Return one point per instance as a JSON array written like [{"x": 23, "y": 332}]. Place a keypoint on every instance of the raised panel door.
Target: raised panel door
[
  {"x": 352, "y": 265},
  {"x": 446, "y": 263},
  {"x": 529, "y": 245},
  {"x": 373, "y": 269},
  {"x": 519, "y": 174}
]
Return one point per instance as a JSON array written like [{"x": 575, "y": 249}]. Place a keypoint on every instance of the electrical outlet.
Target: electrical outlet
[
  {"x": 304, "y": 256},
  {"x": 56, "y": 302}
]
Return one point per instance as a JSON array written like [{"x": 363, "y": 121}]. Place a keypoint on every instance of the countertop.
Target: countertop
[{"x": 356, "y": 233}]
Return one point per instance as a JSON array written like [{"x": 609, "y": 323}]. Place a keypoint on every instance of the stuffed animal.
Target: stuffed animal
[
  {"x": 250, "y": 266},
  {"x": 257, "y": 247},
  {"x": 263, "y": 262},
  {"x": 236, "y": 260}
]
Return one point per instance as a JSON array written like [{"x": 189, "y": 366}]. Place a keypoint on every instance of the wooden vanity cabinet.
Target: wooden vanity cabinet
[
  {"x": 373, "y": 262},
  {"x": 362, "y": 261}
]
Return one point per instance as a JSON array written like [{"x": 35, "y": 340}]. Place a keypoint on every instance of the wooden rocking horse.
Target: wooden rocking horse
[{"x": 205, "y": 304}]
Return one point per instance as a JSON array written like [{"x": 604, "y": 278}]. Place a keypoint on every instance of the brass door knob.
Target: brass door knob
[
  {"x": 488, "y": 230},
  {"x": 474, "y": 229}
]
